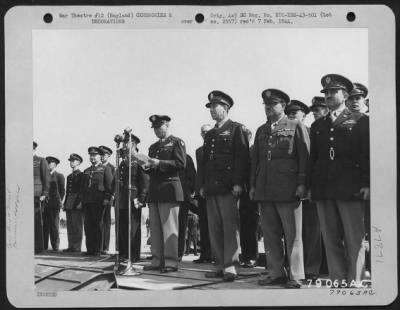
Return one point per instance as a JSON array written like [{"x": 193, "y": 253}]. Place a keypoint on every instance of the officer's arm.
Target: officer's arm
[
  {"x": 61, "y": 185},
  {"x": 254, "y": 160},
  {"x": 45, "y": 177},
  {"x": 200, "y": 168},
  {"x": 108, "y": 179},
  {"x": 241, "y": 157},
  {"x": 364, "y": 150},
  {"x": 143, "y": 185},
  {"x": 66, "y": 191},
  {"x": 179, "y": 161},
  {"x": 313, "y": 156},
  {"x": 303, "y": 152},
  {"x": 190, "y": 171}
]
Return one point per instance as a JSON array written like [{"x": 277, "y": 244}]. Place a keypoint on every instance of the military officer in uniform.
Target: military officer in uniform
[
  {"x": 340, "y": 180},
  {"x": 278, "y": 182},
  {"x": 41, "y": 186},
  {"x": 356, "y": 102},
  {"x": 318, "y": 107},
  {"x": 205, "y": 248},
  {"x": 167, "y": 158},
  {"x": 139, "y": 190},
  {"x": 311, "y": 230},
  {"x": 51, "y": 214},
  {"x": 105, "y": 153},
  {"x": 96, "y": 194},
  {"x": 73, "y": 205},
  {"x": 224, "y": 175}
]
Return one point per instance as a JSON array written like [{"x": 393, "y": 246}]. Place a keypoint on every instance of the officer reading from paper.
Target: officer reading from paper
[
  {"x": 167, "y": 158},
  {"x": 224, "y": 175}
]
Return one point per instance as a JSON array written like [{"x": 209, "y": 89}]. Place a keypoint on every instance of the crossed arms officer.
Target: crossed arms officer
[
  {"x": 96, "y": 193},
  {"x": 339, "y": 172},
  {"x": 167, "y": 158},
  {"x": 41, "y": 186},
  {"x": 223, "y": 176},
  {"x": 278, "y": 180}
]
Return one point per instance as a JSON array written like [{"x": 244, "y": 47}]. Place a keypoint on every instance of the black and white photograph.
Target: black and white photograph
[{"x": 201, "y": 155}]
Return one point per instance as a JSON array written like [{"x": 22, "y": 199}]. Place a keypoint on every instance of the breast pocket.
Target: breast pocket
[
  {"x": 284, "y": 138},
  {"x": 166, "y": 152},
  {"x": 224, "y": 144}
]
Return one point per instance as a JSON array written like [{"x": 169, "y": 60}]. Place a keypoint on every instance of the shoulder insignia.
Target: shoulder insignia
[{"x": 182, "y": 143}]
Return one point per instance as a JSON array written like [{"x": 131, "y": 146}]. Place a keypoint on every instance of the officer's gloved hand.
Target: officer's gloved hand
[
  {"x": 252, "y": 193},
  {"x": 42, "y": 198},
  {"x": 236, "y": 190}
]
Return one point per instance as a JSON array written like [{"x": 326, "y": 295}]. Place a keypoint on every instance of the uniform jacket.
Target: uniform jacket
[
  {"x": 188, "y": 178},
  {"x": 339, "y": 156},
  {"x": 57, "y": 190},
  {"x": 73, "y": 189},
  {"x": 225, "y": 159},
  {"x": 112, "y": 167},
  {"x": 199, "y": 162},
  {"x": 279, "y": 160},
  {"x": 41, "y": 176},
  {"x": 165, "y": 185},
  {"x": 96, "y": 184},
  {"x": 139, "y": 183}
]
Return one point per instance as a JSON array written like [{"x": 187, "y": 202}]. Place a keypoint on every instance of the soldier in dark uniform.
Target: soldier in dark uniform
[
  {"x": 105, "y": 153},
  {"x": 205, "y": 247},
  {"x": 73, "y": 205},
  {"x": 224, "y": 175},
  {"x": 167, "y": 158},
  {"x": 51, "y": 214},
  {"x": 278, "y": 182},
  {"x": 249, "y": 218},
  {"x": 311, "y": 230},
  {"x": 340, "y": 180},
  {"x": 96, "y": 194},
  {"x": 188, "y": 179},
  {"x": 139, "y": 190},
  {"x": 357, "y": 99},
  {"x": 41, "y": 186},
  {"x": 318, "y": 107}
]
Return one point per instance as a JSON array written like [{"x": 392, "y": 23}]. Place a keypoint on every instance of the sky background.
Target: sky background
[{"x": 89, "y": 85}]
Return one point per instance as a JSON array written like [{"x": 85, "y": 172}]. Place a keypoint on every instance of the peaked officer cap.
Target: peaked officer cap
[
  {"x": 51, "y": 159},
  {"x": 105, "y": 150},
  {"x": 94, "y": 150},
  {"x": 217, "y": 96},
  {"x": 296, "y": 105},
  {"x": 316, "y": 102},
  {"x": 158, "y": 120},
  {"x": 359, "y": 90},
  {"x": 272, "y": 95},
  {"x": 336, "y": 81},
  {"x": 74, "y": 156}
]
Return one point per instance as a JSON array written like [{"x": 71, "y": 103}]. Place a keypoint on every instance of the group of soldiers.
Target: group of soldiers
[{"x": 307, "y": 187}]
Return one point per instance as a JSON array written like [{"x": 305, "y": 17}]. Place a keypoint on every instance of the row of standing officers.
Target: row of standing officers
[{"x": 289, "y": 172}]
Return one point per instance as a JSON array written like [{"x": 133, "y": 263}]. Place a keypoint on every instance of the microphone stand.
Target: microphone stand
[
  {"x": 117, "y": 181},
  {"x": 130, "y": 270}
]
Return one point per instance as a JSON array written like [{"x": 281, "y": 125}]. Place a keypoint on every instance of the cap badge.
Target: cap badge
[
  {"x": 268, "y": 93},
  {"x": 313, "y": 101},
  {"x": 328, "y": 79},
  {"x": 153, "y": 118}
]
